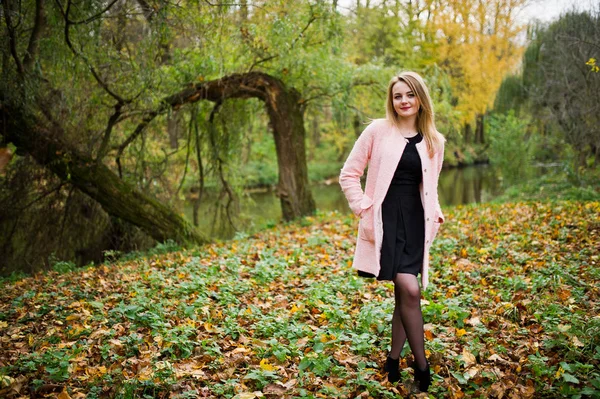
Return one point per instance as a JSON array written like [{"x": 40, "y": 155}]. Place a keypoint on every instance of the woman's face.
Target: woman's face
[{"x": 405, "y": 101}]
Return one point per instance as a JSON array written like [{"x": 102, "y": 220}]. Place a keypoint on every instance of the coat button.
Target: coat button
[
  {"x": 426, "y": 193},
  {"x": 425, "y": 171},
  {"x": 428, "y": 219}
]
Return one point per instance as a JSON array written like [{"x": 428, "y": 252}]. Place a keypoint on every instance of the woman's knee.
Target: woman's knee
[{"x": 408, "y": 288}]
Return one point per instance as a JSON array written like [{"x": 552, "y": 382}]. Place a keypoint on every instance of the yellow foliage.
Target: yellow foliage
[{"x": 478, "y": 46}]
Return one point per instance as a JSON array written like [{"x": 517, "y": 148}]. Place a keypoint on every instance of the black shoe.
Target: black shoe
[
  {"x": 392, "y": 368},
  {"x": 422, "y": 378}
]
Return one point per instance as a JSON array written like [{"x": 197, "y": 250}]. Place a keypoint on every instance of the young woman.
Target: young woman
[{"x": 399, "y": 210}]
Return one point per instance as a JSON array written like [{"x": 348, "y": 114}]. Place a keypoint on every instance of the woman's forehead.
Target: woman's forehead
[{"x": 401, "y": 87}]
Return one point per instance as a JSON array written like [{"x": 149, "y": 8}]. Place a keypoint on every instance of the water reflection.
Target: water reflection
[
  {"x": 260, "y": 209},
  {"x": 468, "y": 185}
]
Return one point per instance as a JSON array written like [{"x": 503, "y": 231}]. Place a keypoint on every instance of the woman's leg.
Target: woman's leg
[
  {"x": 408, "y": 300},
  {"x": 398, "y": 333}
]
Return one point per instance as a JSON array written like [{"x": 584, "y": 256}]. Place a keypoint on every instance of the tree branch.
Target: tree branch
[
  {"x": 310, "y": 21},
  {"x": 112, "y": 121},
  {"x": 138, "y": 130},
  {"x": 39, "y": 25},
  {"x": 94, "y": 17}
]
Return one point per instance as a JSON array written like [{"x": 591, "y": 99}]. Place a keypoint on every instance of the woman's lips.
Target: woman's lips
[{"x": 404, "y": 108}]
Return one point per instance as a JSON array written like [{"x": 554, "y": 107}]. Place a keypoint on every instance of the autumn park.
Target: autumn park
[{"x": 172, "y": 224}]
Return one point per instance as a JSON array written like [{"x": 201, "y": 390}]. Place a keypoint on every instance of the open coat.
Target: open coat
[{"x": 380, "y": 147}]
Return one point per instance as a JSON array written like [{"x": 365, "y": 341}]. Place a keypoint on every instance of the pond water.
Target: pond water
[{"x": 260, "y": 209}]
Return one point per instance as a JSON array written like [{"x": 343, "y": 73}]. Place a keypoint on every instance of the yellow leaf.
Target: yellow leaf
[
  {"x": 3, "y": 324},
  {"x": 460, "y": 332},
  {"x": 265, "y": 365}
]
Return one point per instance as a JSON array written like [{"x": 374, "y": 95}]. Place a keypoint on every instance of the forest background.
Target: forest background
[{"x": 117, "y": 113}]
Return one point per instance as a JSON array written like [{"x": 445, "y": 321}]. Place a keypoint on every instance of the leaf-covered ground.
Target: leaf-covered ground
[{"x": 512, "y": 312}]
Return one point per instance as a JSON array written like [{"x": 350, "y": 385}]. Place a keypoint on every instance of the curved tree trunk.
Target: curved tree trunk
[
  {"x": 284, "y": 109},
  {"x": 115, "y": 196}
]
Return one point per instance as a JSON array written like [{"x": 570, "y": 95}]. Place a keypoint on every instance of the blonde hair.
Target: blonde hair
[{"x": 425, "y": 115}]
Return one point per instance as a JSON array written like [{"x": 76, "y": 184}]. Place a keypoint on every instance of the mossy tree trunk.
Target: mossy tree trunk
[{"x": 117, "y": 197}]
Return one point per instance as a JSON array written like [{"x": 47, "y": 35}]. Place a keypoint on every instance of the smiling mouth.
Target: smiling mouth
[{"x": 405, "y": 107}]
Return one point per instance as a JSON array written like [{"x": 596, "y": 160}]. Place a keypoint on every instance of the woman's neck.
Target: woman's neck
[{"x": 407, "y": 126}]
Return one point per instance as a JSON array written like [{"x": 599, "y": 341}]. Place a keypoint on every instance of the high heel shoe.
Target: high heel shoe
[
  {"x": 422, "y": 377},
  {"x": 392, "y": 368}
]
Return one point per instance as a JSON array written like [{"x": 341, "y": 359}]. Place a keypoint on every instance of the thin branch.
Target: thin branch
[
  {"x": 187, "y": 157},
  {"x": 199, "y": 158},
  {"x": 231, "y": 4},
  {"x": 579, "y": 40},
  {"x": 220, "y": 162},
  {"x": 312, "y": 19},
  {"x": 41, "y": 197},
  {"x": 94, "y": 17},
  {"x": 138, "y": 130},
  {"x": 112, "y": 121},
  {"x": 269, "y": 58},
  {"x": 333, "y": 94},
  {"x": 12, "y": 41}
]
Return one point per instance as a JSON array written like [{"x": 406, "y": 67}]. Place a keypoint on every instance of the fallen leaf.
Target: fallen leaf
[
  {"x": 468, "y": 357},
  {"x": 265, "y": 365}
]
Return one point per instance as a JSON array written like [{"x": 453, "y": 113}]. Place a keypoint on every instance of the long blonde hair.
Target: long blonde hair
[{"x": 425, "y": 115}]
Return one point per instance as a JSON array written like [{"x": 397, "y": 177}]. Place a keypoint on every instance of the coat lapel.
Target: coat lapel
[{"x": 393, "y": 147}]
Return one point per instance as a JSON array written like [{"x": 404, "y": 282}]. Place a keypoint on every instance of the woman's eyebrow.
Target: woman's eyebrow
[{"x": 408, "y": 92}]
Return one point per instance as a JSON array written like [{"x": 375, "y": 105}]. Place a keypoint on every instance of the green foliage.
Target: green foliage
[
  {"x": 510, "y": 96},
  {"x": 554, "y": 63},
  {"x": 560, "y": 183},
  {"x": 511, "y": 146}
]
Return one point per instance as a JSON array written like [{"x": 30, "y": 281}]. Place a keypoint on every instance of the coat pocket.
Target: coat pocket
[
  {"x": 435, "y": 225},
  {"x": 366, "y": 226}
]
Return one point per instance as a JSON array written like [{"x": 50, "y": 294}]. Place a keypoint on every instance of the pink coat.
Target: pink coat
[{"x": 380, "y": 146}]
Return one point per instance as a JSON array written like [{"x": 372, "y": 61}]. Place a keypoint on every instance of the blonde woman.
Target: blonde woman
[{"x": 399, "y": 210}]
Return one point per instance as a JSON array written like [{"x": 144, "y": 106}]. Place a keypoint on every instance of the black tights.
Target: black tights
[{"x": 407, "y": 321}]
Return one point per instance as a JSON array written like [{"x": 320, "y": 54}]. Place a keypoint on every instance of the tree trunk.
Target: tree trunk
[
  {"x": 284, "y": 108},
  {"x": 94, "y": 179},
  {"x": 479, "y": 129},
  {"x": 467, "y": 135},
  {"x": 288, "y": 128}
]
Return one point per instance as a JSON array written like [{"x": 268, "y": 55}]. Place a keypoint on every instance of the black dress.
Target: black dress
[{"x": 403, "y": 218}]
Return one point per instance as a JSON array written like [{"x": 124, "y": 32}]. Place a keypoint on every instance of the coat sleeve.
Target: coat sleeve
[
  {"x": 354, "y": 168},
  {"x": 440, "y": 156}
]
